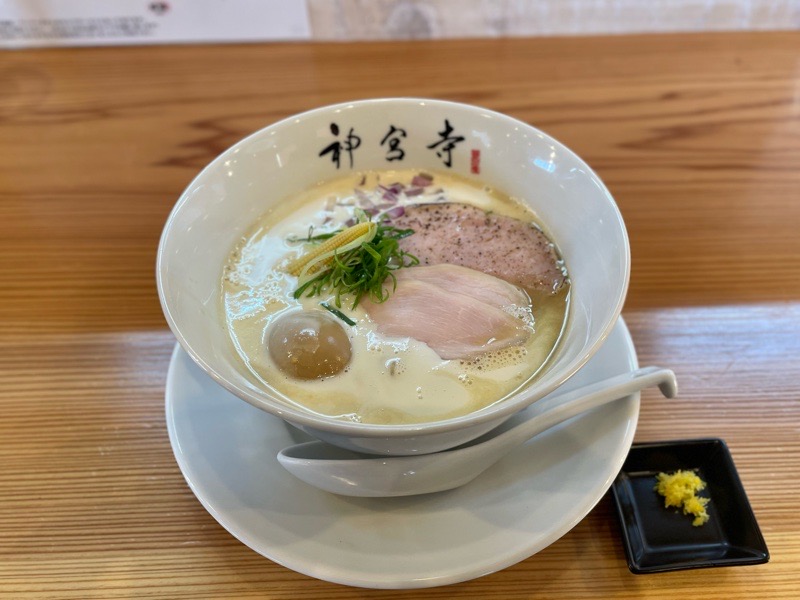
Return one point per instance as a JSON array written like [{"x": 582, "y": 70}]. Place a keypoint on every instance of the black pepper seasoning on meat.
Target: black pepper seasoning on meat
[{"x": 466, "y": 235}]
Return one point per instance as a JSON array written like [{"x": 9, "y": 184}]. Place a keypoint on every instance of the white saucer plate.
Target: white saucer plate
[{"x": 226, "y": 450}]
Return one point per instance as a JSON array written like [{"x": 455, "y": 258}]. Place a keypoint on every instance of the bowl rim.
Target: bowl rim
[{"x": 499, "y": 410}]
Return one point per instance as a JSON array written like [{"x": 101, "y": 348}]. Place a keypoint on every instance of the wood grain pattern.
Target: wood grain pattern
[{"x": 698, "y": 138}]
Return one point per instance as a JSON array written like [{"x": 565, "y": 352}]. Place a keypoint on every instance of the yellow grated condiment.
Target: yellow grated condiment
[{"x": 680, "y": 490}]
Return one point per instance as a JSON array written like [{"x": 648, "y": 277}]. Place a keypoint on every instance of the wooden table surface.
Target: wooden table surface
[{"x": 697, "y": 136}]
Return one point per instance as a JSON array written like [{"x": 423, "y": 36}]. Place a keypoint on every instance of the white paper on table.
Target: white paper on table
[{"x": 36, "y": 23}]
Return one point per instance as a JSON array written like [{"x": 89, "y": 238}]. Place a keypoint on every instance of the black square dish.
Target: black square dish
[{"x": 664, "y": 539}]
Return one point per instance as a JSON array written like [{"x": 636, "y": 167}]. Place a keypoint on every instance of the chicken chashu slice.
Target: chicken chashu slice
[
  {"x": 462, "y": 234},
  {"x": 458, "y": 312}
]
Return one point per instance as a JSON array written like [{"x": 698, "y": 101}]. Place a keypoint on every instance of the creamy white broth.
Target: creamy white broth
[{"x": 388, "y": 380}]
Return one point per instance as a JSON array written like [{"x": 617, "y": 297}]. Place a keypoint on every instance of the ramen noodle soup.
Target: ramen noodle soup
[{"x": 395, "y": 297}]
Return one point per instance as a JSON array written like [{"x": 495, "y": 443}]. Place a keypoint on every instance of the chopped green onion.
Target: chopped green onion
[
  {"x": 359, "y": 270},
  {"x": 336, "y": 312}
]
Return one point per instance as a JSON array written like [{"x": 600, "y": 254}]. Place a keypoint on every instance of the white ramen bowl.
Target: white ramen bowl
[{"x": 276, "y": 163}]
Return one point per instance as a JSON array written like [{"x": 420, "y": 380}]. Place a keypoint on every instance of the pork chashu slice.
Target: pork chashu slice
[
  {"x": 458, "y": 312},
  {"x": 465, "y": 235}
]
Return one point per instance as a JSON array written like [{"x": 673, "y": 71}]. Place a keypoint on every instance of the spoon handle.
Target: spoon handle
[{"x": 555, "y": 409}]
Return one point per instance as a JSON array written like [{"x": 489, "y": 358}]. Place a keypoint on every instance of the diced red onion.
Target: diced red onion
[
  {"x": 397, "y": 211},
  {"x": 422, "y": 180},
  {"x": 389, "y": 193},
  {"x": 363, "y": 198}
]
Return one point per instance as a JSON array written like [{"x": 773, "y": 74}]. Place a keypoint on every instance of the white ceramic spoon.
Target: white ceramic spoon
[{"x": 351, "y": 474}]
